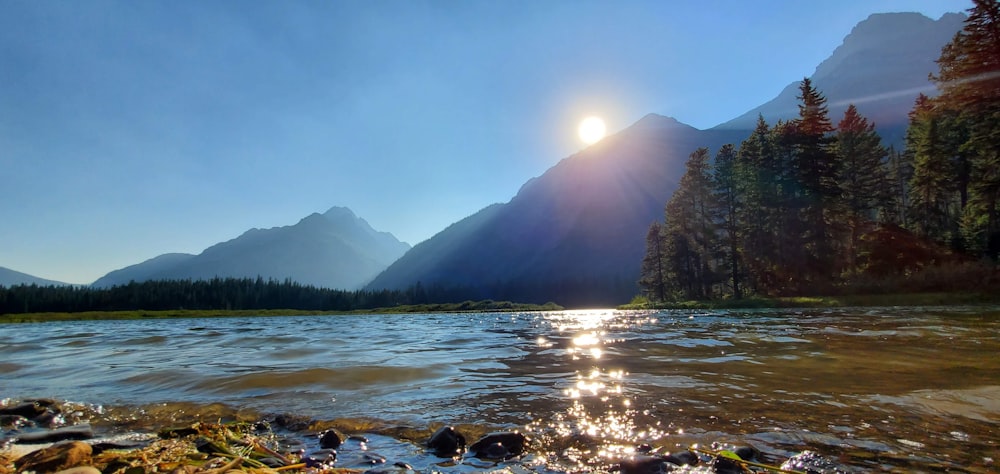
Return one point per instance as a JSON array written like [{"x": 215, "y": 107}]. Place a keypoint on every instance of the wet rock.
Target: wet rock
[
  {"x": 643, "y": 465},
  {"x": 811, "y": 463},
  {"x": 178, "y": 432},
  {"x": 27, "y": 410},
  {"x": 55, "y": 458},
  {"x": 372, "y": 458},
  {"x": 207, "y": 446},
  {"x": 499, "y": 445},
  {"x": 80, "y": 470},
  {"x": 747, "y": 453},
  {"x": 724, "y": 465},
  {"x": 358, "y": 438},
  {"x": 446, "y": 442},
  {"x": 323, "y": 457},
  {"x": 78, "y": 432},
  {"x": 682, "y": 458},
  {"x": 330, "y": 439},
  {"x": 272, "y": 463}
]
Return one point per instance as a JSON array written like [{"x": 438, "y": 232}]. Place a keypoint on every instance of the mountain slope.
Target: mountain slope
[
  {"x": 333, "y": 250},
  {"x": 574, "y": 235},
  {"x": 10, "y": 277},
  {"x": 880, "y": 67}
]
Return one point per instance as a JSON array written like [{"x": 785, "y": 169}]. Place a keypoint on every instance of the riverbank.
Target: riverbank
[
  {"x": 844, "y": 301},
  {"x": 463, "y": 307}
]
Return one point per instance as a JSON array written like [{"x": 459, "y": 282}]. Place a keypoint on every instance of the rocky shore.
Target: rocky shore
[{"x": 41, "y": 436}]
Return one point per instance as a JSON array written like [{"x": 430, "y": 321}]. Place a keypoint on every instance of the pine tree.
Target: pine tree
[
  {"x": 653, "y": 278},
  {"x": 862, "y": 177},
  {"x": 969, "y": 81},
  {"x": 728, "y": 199},
  {"x": 815, "y": 169},
  {"x": 690, "y": 230}
]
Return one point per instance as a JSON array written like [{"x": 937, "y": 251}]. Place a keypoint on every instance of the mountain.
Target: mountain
[
  {"x": 335, "y": 249},
  {"x": 576, "y": 234},
  {"x": 881, "y": 67},
  {"x": 10, "y": 277}
]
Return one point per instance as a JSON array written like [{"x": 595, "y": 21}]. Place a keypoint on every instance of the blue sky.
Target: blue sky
[{"x": 131, "y": 129}]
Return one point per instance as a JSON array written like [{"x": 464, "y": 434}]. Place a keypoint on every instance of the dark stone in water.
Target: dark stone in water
[
  {"x": 372, "y": 458},
  {"x": 207, "y": 446},
  {"x": 27, "y": 410},
  {"x": 330, "y": 439},
  {"x": 180, "y": 432},
  {"x": 446, "y": 442},
  {"x": 272, "y": 463},
  {"x": 500, "y": 445},
  {"x": 78, "y": 432},
  {"x": 644, "y": 465},
  {"x": 682, "y": 458},
  {"x": 55, "y": 458},
  {"x": 724, "y": 465},
  {"x": 358, "y": 438},
  {"x": 321, "y": 459},
  {"x": 747, "y": 453},
  {"x": 811, "y": 463},
  {"x": 118, "y": 445},
  {"x": 326, "y": 456}
]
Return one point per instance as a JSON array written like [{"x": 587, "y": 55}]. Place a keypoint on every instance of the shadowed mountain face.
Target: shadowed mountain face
[
  {"x": 881, "y": 67},
  {"x": 575, "y": 235},
  {"x": 332, "y": 250},
  {"x": 10, "y": 277}
]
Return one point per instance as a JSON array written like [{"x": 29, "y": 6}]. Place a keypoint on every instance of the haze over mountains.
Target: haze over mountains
[
  {"x": 574, "y": 235},
  {"x": 335, "y": 249}
]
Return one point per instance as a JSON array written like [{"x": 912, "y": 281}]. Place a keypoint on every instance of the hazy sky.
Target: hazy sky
[{"x": 131, "y": 129}]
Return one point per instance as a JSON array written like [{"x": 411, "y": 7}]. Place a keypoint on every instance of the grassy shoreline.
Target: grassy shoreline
[
  {"x": 896, "y": 299},
  {"x": 900, "y": 299},
  {"x": 464, "y": 307}
]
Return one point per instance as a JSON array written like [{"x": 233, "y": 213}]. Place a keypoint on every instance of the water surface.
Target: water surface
[{"x": 887, "y": 388}]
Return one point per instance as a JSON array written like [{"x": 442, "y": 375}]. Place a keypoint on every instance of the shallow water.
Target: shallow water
[{"x": 913, "y": 389}]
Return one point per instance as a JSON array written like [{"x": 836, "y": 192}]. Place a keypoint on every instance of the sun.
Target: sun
[{"x": 591, "y": 130}]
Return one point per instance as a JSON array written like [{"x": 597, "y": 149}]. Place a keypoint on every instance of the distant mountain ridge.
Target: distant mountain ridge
[
  {"x": 881, "y": 67},
  {"x": 568, "y": 236},
  {"x": 575, "y": 235},
  {"x": 10, "y": 277},
  {"x": 336, "y": 249}
]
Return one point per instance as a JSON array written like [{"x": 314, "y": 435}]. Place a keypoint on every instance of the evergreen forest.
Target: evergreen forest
[{"x": 819, "y": 206}]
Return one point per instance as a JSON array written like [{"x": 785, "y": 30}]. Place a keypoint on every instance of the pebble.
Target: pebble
[
  {"x": 78, "y": 432},
  {"x": 80, "y": 470},
  {"x": 56, "y": 457},
  {"x": 330, "y": 440},
  {"x": 446, "y": 442},
  {"x": 500, "y": 445}
]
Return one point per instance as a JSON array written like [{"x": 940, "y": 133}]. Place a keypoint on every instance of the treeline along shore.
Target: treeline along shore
[{"x": 235, "y": 296}]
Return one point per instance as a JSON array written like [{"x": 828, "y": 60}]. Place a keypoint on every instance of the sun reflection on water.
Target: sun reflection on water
[{"x": 602, "y": 421}]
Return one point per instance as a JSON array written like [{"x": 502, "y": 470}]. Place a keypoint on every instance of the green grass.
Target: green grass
[
  {"x": 900, "y": 299},
  {"x": 466, "y": 307}
]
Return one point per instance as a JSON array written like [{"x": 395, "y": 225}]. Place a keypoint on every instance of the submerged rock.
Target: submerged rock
[
  {"x": 78, "y": 432},
  {"x": 330, "y": 439},
  {"x": 500, "y": 445},
  {"x": 810, "y": 462},
  {"x": 643, "y": 464},
  {"x": 446, "y": 442},
  {"x": 56, "y": 457},
  {"x": 682, "y": 458}
]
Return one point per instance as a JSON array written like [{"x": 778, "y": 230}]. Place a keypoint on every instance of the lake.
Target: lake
[{"x": 914, "y": 389}]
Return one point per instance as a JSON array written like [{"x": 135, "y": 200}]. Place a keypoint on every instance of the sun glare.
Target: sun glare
[{"x": 591, "y": 130}]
